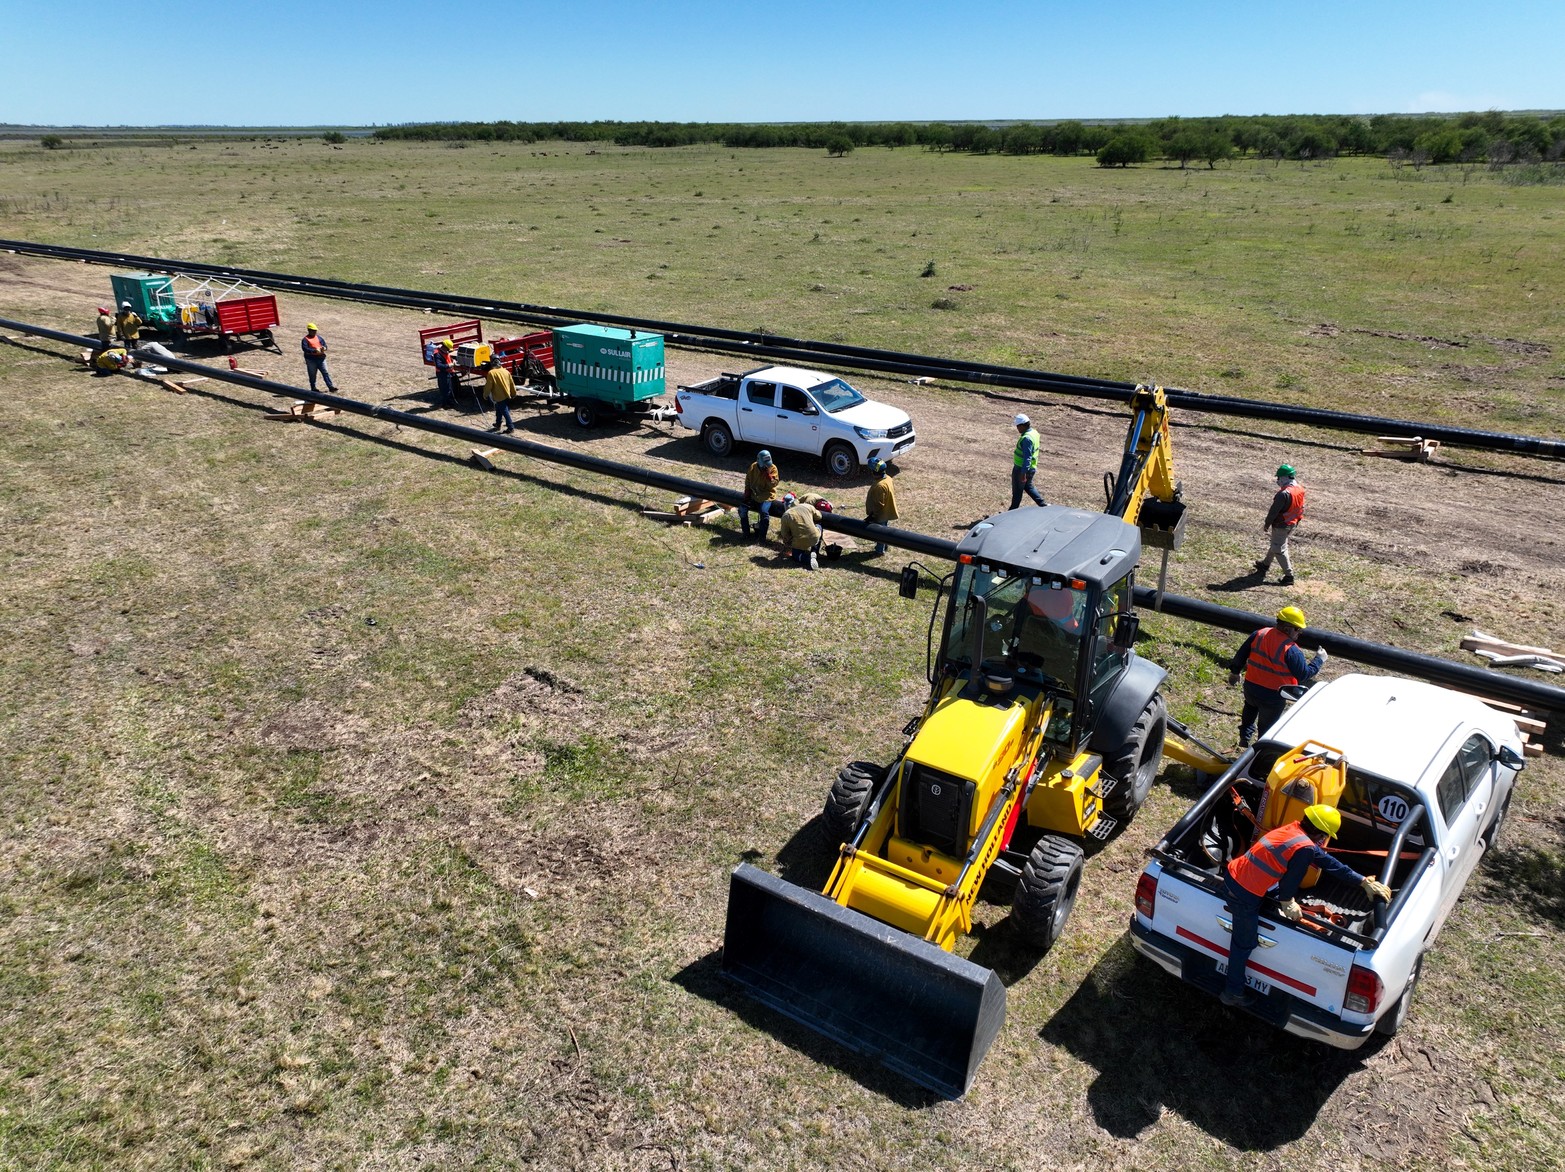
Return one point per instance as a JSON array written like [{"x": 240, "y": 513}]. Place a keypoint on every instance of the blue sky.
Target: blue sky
[{"x": 290, "y": 63}]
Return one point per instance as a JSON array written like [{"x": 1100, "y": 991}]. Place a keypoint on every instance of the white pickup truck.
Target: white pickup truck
[
  {"x": 797, "y": 410},
  {"x": 1430, "y": 774}
]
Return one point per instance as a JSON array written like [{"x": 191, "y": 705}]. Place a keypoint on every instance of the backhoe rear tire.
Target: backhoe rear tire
[
  {"x": 1046, "y": 891},
  {"x": 849, "y": 800},
  {"x": 1136, "y": 763}
]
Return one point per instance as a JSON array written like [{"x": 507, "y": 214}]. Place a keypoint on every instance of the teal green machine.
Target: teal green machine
[
  {"x": 151, "y": 297},
  {"x": 608, "y": 365}
]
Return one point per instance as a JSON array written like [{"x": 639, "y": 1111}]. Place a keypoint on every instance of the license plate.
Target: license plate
[{"x": 1250, "y": 979}]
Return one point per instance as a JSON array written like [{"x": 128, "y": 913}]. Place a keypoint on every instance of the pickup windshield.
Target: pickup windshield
[
  {"x": 1033, "y": 623},
  {"x": 835, "y": 396}
]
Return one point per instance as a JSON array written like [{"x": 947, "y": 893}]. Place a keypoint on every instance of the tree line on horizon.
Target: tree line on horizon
[{"x": 1491, "y": 137}]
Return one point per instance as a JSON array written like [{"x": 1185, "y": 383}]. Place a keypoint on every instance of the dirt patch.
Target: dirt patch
[{"x": 312, "y": 725}]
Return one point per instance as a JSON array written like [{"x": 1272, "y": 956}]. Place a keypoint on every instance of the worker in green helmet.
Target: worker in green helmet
[
  {"x": 1281, "y": 520},
  {"x": 1274, "y": 867}
]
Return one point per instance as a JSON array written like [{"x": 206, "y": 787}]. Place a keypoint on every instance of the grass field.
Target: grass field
[{"x": 362, "y": 811}]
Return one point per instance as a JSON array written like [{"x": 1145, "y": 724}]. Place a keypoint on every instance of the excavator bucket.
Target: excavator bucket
[{"x": 918, "y": 1010}]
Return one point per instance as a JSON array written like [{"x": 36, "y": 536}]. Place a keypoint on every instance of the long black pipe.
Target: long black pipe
[
  {"x": 806, "y": 350},
  {"x": 1412, "y": 663}
]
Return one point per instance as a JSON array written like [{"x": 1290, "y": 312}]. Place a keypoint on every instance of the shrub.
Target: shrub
[
  {"x": 334, "y": 137},
  {"x": 51, "y": 142}
]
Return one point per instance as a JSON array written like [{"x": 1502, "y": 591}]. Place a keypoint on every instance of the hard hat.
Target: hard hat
[
  {"x": 448, "y": 343},
  {"x": 824, "y": 506},
  {"x": 1021, "y": 421},
  {"x": 124, "y": 304},
  {"x": 102, "y": 310},
  {"x": 789, "y": 499},
  {"x": 763, "y": 458},
  {"x": 1327, "y": 819},
  {"x": 876, "y": 465},
  {"x": 309, "y": 327},
  {"x": 1286, "y": 470},
  {"x": 1291, "y": 615}
]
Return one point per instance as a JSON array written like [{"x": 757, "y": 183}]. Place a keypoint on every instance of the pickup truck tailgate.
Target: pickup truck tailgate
[{"x": 1289, "y": 959}]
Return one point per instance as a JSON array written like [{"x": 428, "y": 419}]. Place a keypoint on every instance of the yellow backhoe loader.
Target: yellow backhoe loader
[{"x": 1043, "y": 729}]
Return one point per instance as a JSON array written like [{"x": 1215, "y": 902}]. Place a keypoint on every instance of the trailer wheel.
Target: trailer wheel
[
  {"x": 849, "y": 800},
  {"x": 718, "y": 439},
  {"x": 586, "y": 415},
  {"x": 1047, "y": 891},
  {"x": 1135, "y": 764},
  {"x": 1388, "y": 1025},
  {"x": 841, "y": 460}
]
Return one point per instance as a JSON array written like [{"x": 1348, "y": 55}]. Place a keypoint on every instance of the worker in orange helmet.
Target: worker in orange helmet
[
  {"x": 1271, "y": 660},
  {"x": 1275, "y": 866}
]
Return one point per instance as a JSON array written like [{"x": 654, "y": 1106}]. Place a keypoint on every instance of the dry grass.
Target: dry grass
[{"x": 362, "y": 810}]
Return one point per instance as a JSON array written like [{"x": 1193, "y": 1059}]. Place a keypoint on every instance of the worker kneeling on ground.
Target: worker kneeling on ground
[
  {"x": 1275, "y": 866},
  {"x": 801, "y": 530},
  {"x": 113, "y": 360},
  {"x": 1271, "y": 660}
]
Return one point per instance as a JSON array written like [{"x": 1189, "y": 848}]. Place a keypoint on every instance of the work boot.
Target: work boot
[
  {"x": 1236, "y": 1000},
  {"x": 1262, "y": 566},
  {"x": 814, "y": 565},
  {"x": 1287, "y": 580}
]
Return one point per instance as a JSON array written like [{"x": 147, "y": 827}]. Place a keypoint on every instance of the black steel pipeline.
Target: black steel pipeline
[
  {"x": 1412, "y": 663},
  {"x": 858, "y": 357}
]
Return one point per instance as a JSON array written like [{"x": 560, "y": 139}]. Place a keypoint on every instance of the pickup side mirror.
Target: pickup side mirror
[
  {"x": 1125, "y": 631},
  {"x": 1510, "y": 758},
  {"x": 908, "y": 586},
  {"x": 810, "y": 409}
]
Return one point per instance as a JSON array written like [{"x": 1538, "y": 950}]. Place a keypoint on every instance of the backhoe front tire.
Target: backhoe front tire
[
  {"x": 849, "y": 800},
  {"x": 1047, "y": 891},
  {"x": 1136, "y": 763}
]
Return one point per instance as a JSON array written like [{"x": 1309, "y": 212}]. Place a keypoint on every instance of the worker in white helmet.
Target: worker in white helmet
[{"x": 1025, "y": 463}]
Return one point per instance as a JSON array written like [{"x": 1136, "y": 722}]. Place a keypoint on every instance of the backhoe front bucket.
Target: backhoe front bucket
[{"x": 918, "y": 1010}]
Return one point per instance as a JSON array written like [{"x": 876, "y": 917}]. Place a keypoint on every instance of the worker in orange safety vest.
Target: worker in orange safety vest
[
  {"x": 1276, "y": 865},
  {"x": 314, "y": 347},
  {"x": 1271, "y": 660},
  {"x": 1281, "y": 520}
]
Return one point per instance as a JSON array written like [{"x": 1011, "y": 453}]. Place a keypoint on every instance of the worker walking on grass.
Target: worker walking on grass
[
  {"x": 1271, "y": 660},
  {"x": 105, "y": 328},
  {"x": 127, "y": 326},
  {"x": 500, "y": 389},
  {"x": 801, "y": 530},
  {"x": 314, "y": 347},
  {"x": 445, "y": 373},
  {"x": 880, "y": 503},
  {"x": 1025, "y": 463},
  {"x": 1275, "y": 866},
  {"x": 1281, "y": 520},
  {"x": 760, "y": 491}
]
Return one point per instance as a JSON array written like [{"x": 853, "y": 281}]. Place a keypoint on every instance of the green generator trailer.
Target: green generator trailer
[{"x": 605, "y": 371}]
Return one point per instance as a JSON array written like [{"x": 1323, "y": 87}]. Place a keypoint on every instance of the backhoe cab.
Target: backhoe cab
[{"x": 1043, "y": 729}]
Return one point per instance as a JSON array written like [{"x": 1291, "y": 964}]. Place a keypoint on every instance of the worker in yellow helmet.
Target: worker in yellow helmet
[
  {"x": 445, "y": 372},
  {"x": 1270, "y": 661},
  {"x": 1275, "y": 866},
  {"x": 314, "y": 347}
]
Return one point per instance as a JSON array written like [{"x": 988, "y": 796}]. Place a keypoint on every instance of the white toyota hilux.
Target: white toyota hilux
[{"x": 1428, "y": 781}]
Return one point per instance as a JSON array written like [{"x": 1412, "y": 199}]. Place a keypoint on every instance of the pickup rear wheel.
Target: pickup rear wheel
[
  {"x": 1135, "y": 764},
  {"x": 849, "y": 800},
  {"x": 1388, "y": 1025},
  {"x": 1047, "y": 891},
  {"x": 841, "y": 460},
  {"x": 718, "y": 439}
]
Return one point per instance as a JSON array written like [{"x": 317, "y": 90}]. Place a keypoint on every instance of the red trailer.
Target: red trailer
[{"x": 529, "y": 358}]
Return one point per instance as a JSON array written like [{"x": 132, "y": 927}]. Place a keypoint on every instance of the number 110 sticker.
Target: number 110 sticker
[{"x": 1392, "y": 808}]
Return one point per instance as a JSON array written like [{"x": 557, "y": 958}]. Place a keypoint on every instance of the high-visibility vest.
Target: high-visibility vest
[
  {"x": 1268, "y": 662},
  {"x": 316, "y": 343},
  {"x": 1030, "y": 434},
  {"x": 1294, "y": 513},
  {"x": 1262, "y": 867}
]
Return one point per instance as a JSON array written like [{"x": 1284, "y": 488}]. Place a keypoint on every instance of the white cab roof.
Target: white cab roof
[
  {"x": 794, "y": 376},
  {"x": 1391, "y": 727}
]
